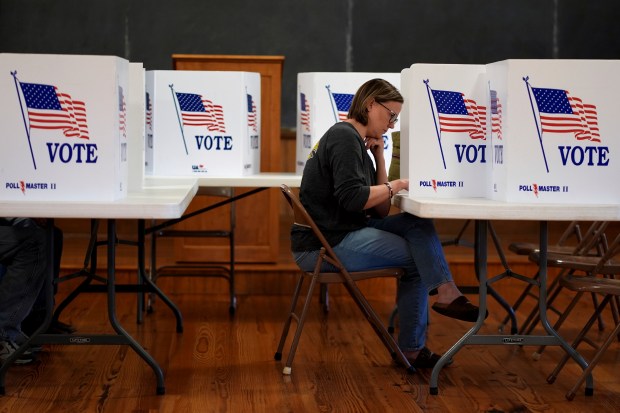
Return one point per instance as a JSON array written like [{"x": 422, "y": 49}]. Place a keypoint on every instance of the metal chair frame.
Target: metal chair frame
[
  {"x": 599, "y": 278},
  {"x": 342, "y": 276},
  {"x": 593, "y": 245},
  {"x": 526, "y": 248}
]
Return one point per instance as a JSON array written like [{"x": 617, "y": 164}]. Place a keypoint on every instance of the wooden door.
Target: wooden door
[{"x": 257, "y": 216}]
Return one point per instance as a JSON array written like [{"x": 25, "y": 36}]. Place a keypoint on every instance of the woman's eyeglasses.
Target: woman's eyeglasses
[{"x": 393, "y": 116}]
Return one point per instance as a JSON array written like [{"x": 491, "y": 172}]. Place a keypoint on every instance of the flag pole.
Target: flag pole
[
  {"x": 248, "y": 105},
  {"x": 542, "y": 148},
  {"x": 174, "y": 99},
  {"x": 21, "y": 107},
  {"x": 331, "y": 100},
  {"x": 428, "y": 90}
]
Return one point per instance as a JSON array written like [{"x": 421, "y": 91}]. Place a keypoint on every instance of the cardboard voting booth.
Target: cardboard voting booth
[
  {"x": 136, "y": 110},
  {"x": 541, "y": 131},
  {"x": 324, "y": 99},
  {"x": 202, "y": 123},
  {"x": 64, "y": 127},
  {"x": 555, "y": 134},
  {"x": 444, "y": 150}
]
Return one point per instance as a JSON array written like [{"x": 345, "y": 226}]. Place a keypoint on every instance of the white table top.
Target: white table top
[
  {"x": 263, "y": 179},
  {"x": 157, "y": 200},
  {"x": 160, "y": 198},
  {"x": 481, "y": 208}
]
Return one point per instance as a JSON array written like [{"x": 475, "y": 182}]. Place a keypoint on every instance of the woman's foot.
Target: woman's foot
[
  {"x": 423, "y": 359},
  {"x": 460, "y": 308},
  {"x": 447, "y": 293}
]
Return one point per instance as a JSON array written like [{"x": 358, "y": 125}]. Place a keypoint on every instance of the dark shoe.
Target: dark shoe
[
  {"x": 33, "y": 321},
  {"x": 460, "y": 308},
  {"x": 426, "y": 359},
  {"x": 31, "y": 350},
  {"x": 58, "y": 327},
  {"x": 7, "y": 348}
]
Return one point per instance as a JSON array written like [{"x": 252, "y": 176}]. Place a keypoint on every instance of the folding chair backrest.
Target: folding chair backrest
[
  {"x": 573, "y": 229},
  {"x": 601, "y": 264},
  {"x": 606, "y": 265},
  {"x": 594, "y": 238}
]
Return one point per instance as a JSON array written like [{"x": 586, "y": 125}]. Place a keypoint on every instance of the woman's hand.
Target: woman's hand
[
  {"x": 375, "y": 145},
  {"x": 400, "y": 184}
]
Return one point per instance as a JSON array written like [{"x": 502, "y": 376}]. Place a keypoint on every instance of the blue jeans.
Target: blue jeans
[
  {"x": 401, "y": 240},
  {"x": 22, "y": 252}
]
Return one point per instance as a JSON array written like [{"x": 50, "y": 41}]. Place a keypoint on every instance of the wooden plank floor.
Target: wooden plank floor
[{"x": 225, "y": 364}]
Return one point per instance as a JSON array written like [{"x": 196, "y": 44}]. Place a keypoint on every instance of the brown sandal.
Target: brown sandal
[{"x": 460, "y": 308}]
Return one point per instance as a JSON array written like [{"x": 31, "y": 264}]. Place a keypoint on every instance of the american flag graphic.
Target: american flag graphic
[
  {"x": 122, "y": 112},
  {"x": 252, "y": 124},
  {"x": 559, "y": 112},
  {"x": 343, "y": 103},
  {"x": 197, "y": 111},
  {"x": 459, "y": 114},
  {"x": 149, "y": 111},
  {"x": 48, "y": 108},
  {"x": 496, "y": 115},
  {"x": 304, "y": 112}
]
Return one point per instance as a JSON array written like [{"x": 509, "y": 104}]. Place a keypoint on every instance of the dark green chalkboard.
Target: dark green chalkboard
[{"x": 316, "y": 35}]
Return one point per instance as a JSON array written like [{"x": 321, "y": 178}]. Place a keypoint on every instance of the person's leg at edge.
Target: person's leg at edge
[{"x": 25, "y": 250}]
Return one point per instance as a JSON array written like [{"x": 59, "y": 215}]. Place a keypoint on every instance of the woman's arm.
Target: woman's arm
[{"x": 380, "y": 197}]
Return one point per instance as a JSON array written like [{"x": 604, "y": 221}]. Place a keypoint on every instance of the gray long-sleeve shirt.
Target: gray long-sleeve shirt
[{"x": 335, "y": 187}]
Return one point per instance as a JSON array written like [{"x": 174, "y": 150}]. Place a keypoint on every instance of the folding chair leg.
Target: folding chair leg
[
  {"x": 567, "y": 311},
  {"x": 559, "y": 323},
  {"x": 599, "y": 353},
  {"x": 301, "y": 319},
  {"x": 291, "y": 315},
  {"x": 377, "y": 325},
  {"x": 287, "y": 370},
  {"x": 615, "y": 303},
  {"x": 589, "y": 392},
  {"x": 534, "y": 317},
  {"x": 580, "y": 337},
  {"x": 601, "y": 322}
]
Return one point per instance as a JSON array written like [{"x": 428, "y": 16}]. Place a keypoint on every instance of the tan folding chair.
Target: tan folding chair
[
  {"x": 571, "y": 235},
  {"x": 343, "y": 276},
  {"x": 599, "y": 279},
  {"x": 526, "y": 248},
  {"x": 591, "y": 243}
]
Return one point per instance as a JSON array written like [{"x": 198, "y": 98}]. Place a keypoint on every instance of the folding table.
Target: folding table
[
  {"x": 157, "y": 200},
  {"x": 482, "y": 211}
]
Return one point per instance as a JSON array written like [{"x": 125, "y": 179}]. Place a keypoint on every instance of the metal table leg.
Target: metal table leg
[{"x": 471, "y": 337}]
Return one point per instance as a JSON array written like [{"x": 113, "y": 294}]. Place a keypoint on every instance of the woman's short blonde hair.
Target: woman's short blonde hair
[{"x": 379, "y": 90}]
